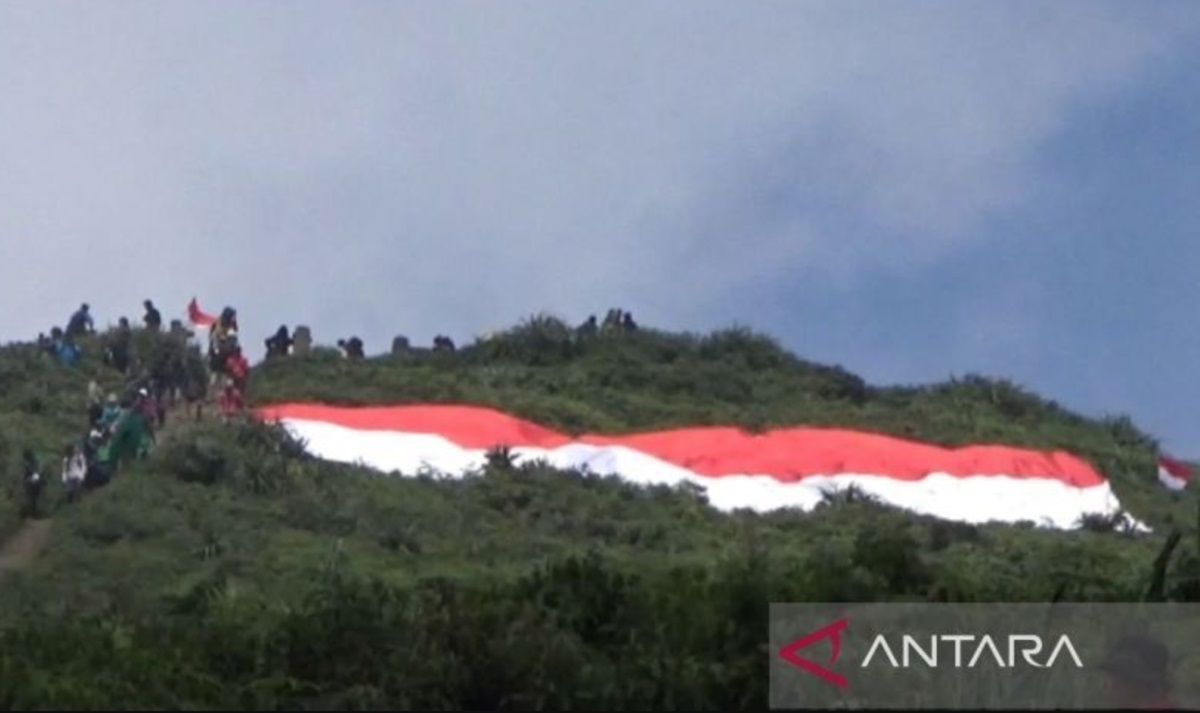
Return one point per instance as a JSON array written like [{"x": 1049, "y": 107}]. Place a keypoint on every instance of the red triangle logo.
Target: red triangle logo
[{"x": 833, "y": 632}]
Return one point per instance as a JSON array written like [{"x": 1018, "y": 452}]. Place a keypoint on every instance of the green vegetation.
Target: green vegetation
[{"x": 231, "y": 571}]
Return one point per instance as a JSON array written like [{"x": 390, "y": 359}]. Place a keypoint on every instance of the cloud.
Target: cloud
[{"x": 408, "y": 168}]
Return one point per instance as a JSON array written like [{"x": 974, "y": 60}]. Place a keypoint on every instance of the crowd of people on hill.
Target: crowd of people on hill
[
  {"x": 616, "y": 320},
  {"x": 125, "y": 427},
  {"x": 118, "y": 430}
]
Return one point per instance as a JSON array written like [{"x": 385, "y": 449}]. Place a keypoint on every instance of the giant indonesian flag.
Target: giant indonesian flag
[{"x": 782, "y": 468}]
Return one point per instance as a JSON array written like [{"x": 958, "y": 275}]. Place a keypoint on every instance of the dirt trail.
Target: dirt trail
[{"x": 25, "y": 546}]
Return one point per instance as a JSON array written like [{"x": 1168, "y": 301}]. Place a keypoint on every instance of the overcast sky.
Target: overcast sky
[{"x": 910, "y": 189}]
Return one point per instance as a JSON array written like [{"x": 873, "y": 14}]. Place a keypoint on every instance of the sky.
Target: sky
[{"x": 910, "y": 190}]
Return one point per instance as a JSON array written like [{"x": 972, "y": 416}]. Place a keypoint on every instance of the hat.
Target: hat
[
  {"x": 112, "y": 398},
  {"x": 1139, "y": 659},
  {"x": 142, "y": 392}
]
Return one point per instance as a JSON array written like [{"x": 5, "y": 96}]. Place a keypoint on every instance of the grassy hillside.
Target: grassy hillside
[{"x": 229, "y": 570}]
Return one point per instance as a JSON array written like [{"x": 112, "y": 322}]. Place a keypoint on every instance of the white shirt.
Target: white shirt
[{"x": 74, "y": 468}]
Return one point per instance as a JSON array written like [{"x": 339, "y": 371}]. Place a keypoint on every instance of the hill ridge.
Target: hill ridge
[{"x": 221, "y": 571}]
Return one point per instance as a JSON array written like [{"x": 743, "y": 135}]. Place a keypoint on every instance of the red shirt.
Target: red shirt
[{"x": 238, "y": 367}]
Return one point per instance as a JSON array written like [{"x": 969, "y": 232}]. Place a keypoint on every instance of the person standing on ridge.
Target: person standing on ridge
[
  {"x": 152, "y": 318},
  {"x": 352, "y": 348},
  {"x": 119, "y": 349},
  {"x": 80, "y": 323},
  {"x": 219, "y": 328},
  {"x": 222, "y": 337},
  {"x": 228, "y": 320},
  {"x": 280, "y": 344},
  {"x": 588, "y": 328}
]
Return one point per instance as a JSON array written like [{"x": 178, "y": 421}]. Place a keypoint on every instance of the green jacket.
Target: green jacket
[{"x": 132, "y": 437}]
